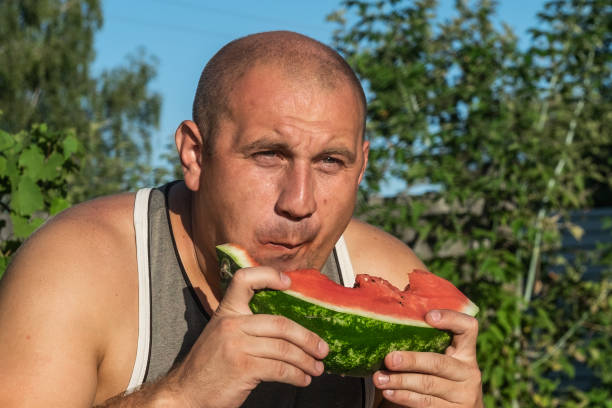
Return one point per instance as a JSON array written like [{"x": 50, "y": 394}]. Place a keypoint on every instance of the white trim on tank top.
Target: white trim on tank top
[{"x": 141, "y": 227}]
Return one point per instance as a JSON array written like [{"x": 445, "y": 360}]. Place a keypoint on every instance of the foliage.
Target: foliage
[
  {"x": 35, "y": 169},
  {"x": 46, "y": 49},
  {"x": 507, "y": 141}
]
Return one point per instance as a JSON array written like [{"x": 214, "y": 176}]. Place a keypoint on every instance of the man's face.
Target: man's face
[{"x": 286, "y": 164}]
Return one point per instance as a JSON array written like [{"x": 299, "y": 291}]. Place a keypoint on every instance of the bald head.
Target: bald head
[{"x": 299, "y": 57}]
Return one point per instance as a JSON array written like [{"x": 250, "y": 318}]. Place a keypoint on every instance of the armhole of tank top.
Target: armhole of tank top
[
  {"x": 141, "y": 228},
  {"x": 344, "y": 263},
  {"x": 347, "y": 274}
]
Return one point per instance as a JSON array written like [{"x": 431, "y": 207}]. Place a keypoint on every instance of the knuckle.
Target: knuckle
[
  {"x": 281, "y": 370},
  {"x": 427, "y": 384},
  {"x": 240, "y": 276},
  {"x": 473, "y": 324},
  {"x": 282, "y": 324},
  {"x": 312, "y": 341},
  {"x": 437, "y": 363},
  {"x": 427, "y": 401},
  {"x": 226, "y": 324},
  {"x": 283, "y": 348}
]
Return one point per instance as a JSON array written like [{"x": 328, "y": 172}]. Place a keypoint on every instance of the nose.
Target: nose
[{"x": 297, "y": 200}]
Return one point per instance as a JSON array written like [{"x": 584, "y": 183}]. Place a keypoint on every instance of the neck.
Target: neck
[
  {"x": 200, "y": 265},
  {"x": 203, "y": 250}
]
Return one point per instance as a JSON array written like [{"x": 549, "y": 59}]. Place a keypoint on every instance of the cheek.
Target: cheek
[{"x": 251, "y": 196}]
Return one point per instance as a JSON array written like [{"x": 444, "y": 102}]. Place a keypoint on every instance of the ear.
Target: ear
[
  {"x": 366, "y": 152},
  {"x": 189, "y": 146}
]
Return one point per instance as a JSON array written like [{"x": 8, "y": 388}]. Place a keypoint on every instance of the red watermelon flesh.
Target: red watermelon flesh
[{"x": 374, "y": 295}]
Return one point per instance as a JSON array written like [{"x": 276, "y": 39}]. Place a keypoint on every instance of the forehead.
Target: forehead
[{"x": 269, "y": 95}]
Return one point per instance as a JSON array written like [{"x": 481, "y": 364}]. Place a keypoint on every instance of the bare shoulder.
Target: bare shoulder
[
  {"x": 375, "y": 252},
  {"x": 60, "y": 299}
]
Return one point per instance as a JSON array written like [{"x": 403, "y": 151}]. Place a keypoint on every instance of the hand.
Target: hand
[
  {"x": 434, "y": 380},
  {"x": 237, "y": 350}
]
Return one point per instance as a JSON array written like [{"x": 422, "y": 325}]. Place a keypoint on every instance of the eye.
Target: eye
[
  {"x": 267, "y": 157},
  {"x": 331, "y": 160},
  {"x": 266, "y": 153},
  {"x": 331, "y": 163}
]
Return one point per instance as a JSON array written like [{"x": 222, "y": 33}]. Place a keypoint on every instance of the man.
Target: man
[{"x": 272, "y": 161}]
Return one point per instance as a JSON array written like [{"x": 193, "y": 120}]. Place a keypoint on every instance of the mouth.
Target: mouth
[{"x": 284, "y": 245}]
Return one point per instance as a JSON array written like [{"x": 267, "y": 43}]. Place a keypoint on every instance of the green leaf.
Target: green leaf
[
  {"x": 32, "y": 160},
  {"x": 70, "y": 145},
  {"x": 52, "y": 167},
  {"x": 27, "y": 198},
  {"x": 3, "y": 264},
  {"x": 6, "y": 141},
  {"x": 3, "y": 166},
  {"x": 12, "y": 171},
  {"x": 58, "y": 204},
  {"x": 23, "y": 227}
]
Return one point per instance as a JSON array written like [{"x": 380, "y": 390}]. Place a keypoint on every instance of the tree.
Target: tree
[
  {"x": 34, "y": 168},
  {"x": 46, "y": 49},
  {"x": 507, "y": 141}
]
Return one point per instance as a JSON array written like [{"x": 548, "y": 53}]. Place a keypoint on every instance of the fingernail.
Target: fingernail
[
  {"x": 388, "y": 393},
  {"x": 323, "y": 347},
  {"x": 319, "y": 367},
  {"x": 435, "y": 315},
  {"x": 383, "y": 379},
  {"x": 285, "y": 278},
  {"x": 397, "y": 359}
]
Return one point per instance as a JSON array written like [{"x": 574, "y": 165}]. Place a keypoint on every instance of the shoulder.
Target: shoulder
[
  {"x": 84, "y": 239},
  {"x": 376, "y": 252},
  {"x": 65, "y": 288}
]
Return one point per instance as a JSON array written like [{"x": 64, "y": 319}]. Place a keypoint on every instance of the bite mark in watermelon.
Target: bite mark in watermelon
[{"x": 362, "y": 324}]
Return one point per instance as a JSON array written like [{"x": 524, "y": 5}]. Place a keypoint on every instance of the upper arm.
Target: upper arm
[
  {"x": 53, "y": 319},
  {"x": 378, "y": 253}
]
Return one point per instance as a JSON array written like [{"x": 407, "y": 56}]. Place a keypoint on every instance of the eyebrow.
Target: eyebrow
[{"x": 265, "y": 144}]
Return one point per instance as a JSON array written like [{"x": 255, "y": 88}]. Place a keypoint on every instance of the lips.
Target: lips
[{"x": 287, "y": 245}]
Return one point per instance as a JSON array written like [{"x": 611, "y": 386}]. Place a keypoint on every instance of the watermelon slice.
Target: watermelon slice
[{"x": 362, "y": 324}]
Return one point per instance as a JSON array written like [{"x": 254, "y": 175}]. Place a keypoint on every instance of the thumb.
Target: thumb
[{"x": 244, "y": 284}]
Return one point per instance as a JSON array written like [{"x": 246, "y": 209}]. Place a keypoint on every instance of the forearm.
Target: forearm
[{"x": 163, "y": 393}]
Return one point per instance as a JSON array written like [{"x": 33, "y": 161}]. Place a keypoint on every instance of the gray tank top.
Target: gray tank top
[{"x": 177, "y": 318}]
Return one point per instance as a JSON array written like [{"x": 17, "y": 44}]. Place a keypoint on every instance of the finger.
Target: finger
[
  {"x": 419, "y": 383},
  {"x": 464, "y": 328},
  {"x": 281, "y": 350},
  {"x": 244, "y": 284},
  {"x": 280, "y": 371},
  {"x": 416, "y": 400},
  {"x": 280, "y": 327},
  {"x": 436, "y": 364}
]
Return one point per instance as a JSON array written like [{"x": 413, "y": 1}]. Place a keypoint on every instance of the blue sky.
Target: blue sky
[{"x": 184, "y": 34}]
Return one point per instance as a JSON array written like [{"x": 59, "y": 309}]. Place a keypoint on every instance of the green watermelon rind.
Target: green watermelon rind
[
  {"x": 231, "y": 259},
  {"x": 357, "y": 344}
]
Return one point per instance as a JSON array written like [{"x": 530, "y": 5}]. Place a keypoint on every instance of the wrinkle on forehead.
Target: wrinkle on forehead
[
  {"x": 312, "y": 133},
  {"x": 276, "y": 109}
]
